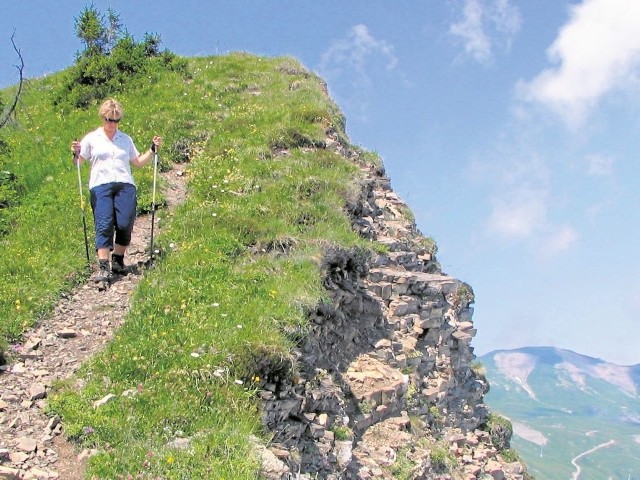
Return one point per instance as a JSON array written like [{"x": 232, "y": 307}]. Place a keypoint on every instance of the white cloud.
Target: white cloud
[
  {"x": 518, "y": 212},
  {"x": 355, "y": 53},
  {"x": 355, "y": 59},
  {"x": 521, "y": 206},
  {"x": 599, "y": 165},
  {"x": 596, "y": 52},
  {"x": 523, "y": 214},
  {"x": 484, "y": 24},
  {"x": 561, "y": 238}
]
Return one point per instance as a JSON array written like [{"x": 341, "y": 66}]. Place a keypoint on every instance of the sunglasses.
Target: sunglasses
[{"x": 113, "y": 120}]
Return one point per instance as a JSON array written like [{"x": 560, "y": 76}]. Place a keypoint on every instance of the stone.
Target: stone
[
  {"x": 18, "y": 458},
  {"x": 16, "y": 422},
  {"x": 32, "y": 344},
  {"x": 37, "y": 391},
  {"x": 87, "y": 453},
  {"x": 104, "y": 400},
  {"x": 343, "y": 452},
  {"x": 38, "y": 474},
  {"x": 494, "y": 469},
  {"x": 18, "y": 369},
  {"x": 27, "y": 445},
  {"x": 180, "y": 443},
  {"x": 8, "y": 472},
  {"x": 52, "y": 424},
  {"x": 67, "y": 333}
]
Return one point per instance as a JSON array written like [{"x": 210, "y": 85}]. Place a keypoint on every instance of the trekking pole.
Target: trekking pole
[
  {"x": 153, "y": 200},
  {"x": 84, "y": 218}
]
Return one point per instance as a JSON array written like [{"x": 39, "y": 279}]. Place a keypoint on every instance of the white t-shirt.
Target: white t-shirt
[{"x": 109, "y": 159}]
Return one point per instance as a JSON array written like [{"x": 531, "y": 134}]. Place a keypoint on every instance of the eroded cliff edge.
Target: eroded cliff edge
[{"x": 384, "y": 383}]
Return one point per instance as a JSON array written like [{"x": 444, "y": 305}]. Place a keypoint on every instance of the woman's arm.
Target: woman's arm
[{"x": 142, "y": 159}]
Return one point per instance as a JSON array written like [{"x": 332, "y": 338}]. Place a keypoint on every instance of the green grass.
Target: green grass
[{"x": 222, "y": 310}]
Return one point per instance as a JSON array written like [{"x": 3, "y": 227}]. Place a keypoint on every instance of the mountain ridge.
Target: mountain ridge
[
  {"x": 296, "y": 325},
  {"x": 567, "y": 410},
  {"x": 576, "y": 364}
]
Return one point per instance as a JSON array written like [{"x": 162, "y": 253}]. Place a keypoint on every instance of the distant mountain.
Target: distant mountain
[{"x": 574, "y": 417}]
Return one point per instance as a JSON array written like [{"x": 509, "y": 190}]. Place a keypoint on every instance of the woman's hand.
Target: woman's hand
[
  {"x": 155, "y": 143},
  {"x": 75, "y": 148}
]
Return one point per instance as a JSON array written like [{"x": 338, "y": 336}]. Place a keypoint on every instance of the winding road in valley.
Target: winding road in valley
[{"x": 574, "y": 461}]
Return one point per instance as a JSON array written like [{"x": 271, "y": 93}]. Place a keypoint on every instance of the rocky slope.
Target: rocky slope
[{"x": 384, "y": 385}]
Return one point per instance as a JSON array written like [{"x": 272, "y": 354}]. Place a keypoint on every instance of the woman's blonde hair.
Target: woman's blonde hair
[{"x": 111, "y": 108}]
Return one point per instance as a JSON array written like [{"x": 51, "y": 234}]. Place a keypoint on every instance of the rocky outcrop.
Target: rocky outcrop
[{"x": 384, "y": 384}]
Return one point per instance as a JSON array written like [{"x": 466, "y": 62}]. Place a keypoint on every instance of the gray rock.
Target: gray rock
[
  {"x": 18, "y": 458},
  {"x": 8, "y": 472},
  {"x": 104, "y": 400},
  {"x": 27, "y": 445},
  {"x": 67, "y": 333},
  {"x": 37, "y": 391}
]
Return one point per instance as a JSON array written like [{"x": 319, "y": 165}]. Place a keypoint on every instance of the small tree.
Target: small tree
[
  {"x": 98, "y": 36},
  {"x": 6, "y": 115},
  {"x": 111, "y": 60},
  {"x": 500, "y": 430},
  {"x": 10, "y": 186}
]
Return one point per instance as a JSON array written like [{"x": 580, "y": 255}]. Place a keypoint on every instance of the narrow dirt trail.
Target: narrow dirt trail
[
  {"x": 80, "y": 324},
  {"x": 574, "y": 461}
]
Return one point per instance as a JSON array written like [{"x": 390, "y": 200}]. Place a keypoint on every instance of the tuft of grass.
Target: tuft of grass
[
  {"x": 342, "y": 432},
  {"x": 441, "y": 460},
  {"x": 403, "y": 468}
]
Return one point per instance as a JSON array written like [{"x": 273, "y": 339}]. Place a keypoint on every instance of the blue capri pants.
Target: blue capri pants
[{"x": 114, "y": 210}]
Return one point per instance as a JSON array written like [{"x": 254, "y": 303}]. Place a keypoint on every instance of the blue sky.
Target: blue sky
[{"x": 510, "y": 127}]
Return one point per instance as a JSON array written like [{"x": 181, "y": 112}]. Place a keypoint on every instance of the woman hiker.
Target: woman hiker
[{"x": 113, "y": 192}]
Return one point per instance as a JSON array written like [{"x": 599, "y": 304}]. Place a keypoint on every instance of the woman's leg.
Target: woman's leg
[
  {"x": 125, "y": 201},
  {"x": 103, "y": 216}
]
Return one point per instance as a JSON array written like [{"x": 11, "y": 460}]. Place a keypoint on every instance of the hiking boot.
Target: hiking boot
[
  {"x": 117, "y": 265},
  {"x": 104, "y": 274}
]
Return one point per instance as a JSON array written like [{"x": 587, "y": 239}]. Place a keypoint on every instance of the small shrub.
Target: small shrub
[
  {"x": 436, "y": 415},
  {"x": 429, "y": 245},
  {"x": 403, "y": 467},
  {"x": 464, "y": 295},
  {"x": 441, "y": 460},
  {"x": 10, "y": 191},
  {"x": 478, "y": 369},
  {"x": 500, "y": 430},
  {"x": 112, "y": 60},
  {"x": 367, "y": 406},
  {"x": 342, "y": 433},
  {"x": 183, "y": 149},
  {"x": 509, "y": 455}
]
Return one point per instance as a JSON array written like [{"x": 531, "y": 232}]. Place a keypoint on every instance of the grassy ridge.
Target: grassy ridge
[{"x": 219, "y": 314}]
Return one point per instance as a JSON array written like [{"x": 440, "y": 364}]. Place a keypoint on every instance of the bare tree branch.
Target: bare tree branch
[{"x": 20, "y": 73}]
